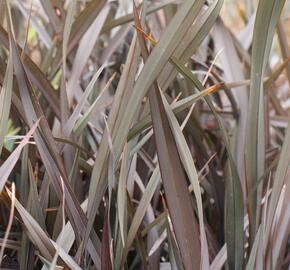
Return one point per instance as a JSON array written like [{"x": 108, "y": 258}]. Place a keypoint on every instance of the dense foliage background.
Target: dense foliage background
[{"x": 144, "y": 135}]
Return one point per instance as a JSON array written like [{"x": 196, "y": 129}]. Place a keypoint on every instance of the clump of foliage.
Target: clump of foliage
[{"x": 144, "y": 135}]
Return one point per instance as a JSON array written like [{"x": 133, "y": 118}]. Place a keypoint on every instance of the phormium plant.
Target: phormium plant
[{"x": 144, "y": 134}]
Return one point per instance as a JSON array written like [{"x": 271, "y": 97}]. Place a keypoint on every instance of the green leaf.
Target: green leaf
[
  {"x": 279, "y": 180},
  {"x": 160, "y": 55},
  {"x": 82, "y": 122},
  {"x": 141, "y": 210},
  {"x": 122, "y": 195},
  {"x": 268, "y": 14},
  {"x": 9, "y": 163},
  {"x": 191, "y": 42},
  {"x": 253, "y": 254},
  {"x": 66, "y": 32},
  {"x": 5, "y": 100},
  {"x": 36, "y": 76},
  {"x": 69, "y": 125},
  {"x": 84, "y": 51}
]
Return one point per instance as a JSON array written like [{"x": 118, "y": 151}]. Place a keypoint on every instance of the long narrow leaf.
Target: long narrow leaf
[
  {"x": 9, "y": 164},
  {"x": 266, "y": 19},
  {"x": 5, "y": 100}
]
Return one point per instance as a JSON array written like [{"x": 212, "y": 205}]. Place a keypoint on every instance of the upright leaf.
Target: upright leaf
[
  {"x": 5, "y": 100},
  {"x": 174, "y": 181},
  {"x": 234, "y": 198},
  {"x": 266, "y": 19}
]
